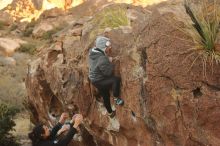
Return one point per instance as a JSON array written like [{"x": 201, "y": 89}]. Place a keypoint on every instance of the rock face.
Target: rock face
[
  {"x": 168, "y": 99},
  {"x": 37, "y": 4}
]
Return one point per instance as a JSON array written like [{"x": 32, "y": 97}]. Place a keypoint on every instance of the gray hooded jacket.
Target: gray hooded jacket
[{"x": 99, "y": 65}]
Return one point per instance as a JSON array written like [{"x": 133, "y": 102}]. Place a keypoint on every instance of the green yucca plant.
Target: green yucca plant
[{"x": 206, "y": 23}]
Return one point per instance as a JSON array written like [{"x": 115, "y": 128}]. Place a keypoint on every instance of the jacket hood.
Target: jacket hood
[{"x": 94, "y": 54}]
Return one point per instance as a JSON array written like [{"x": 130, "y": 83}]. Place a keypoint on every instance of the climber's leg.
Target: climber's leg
[
  {"x": 113, "y": 82},
  {"x": 106, "y": 97},
  {"x": 116, "y": 86}
]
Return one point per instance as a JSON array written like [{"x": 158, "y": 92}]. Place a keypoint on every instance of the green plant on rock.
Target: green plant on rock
[
  {"x": 49, "y": 34},
  {"x": 28, "y": 31},
  {"x": 109, "y": 18},
  {"x": 206, "y": 23},
  {"x": 29, "y": 28},
  {"x": 6, "y": 125},
  {"x": 112, "y": 18}
]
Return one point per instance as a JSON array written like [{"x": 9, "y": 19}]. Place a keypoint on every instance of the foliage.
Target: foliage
[
  {"x": 6, "y": 125},
  {"x": 29, "y": 28},
  {"x": 28, "y": 48},
  {"x": 28, "y": 31},
  {"x": 112, "y": 18},
  {"x": 206, "y": 23},
  {"x": 48, "y": 35},
  {"x": 12, "y": 80}
]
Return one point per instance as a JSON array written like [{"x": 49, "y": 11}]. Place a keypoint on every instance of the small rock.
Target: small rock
[
  {"x": 40, "y": 29},
  {"x": 7, "y": 61},
  {"x": 76, "y": 31},
  {"x": 5, "y": 18},
  {"x": 8, "y": 46}
]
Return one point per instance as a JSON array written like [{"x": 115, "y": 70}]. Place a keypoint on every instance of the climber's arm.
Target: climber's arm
[
  {"x": 56, "y": 128},
  {"x": 68, "y": 137}
]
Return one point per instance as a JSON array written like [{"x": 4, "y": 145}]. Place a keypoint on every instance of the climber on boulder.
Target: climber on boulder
[
  {"x": 42, "y": 136},
  {"x": 101, "y": 73}
]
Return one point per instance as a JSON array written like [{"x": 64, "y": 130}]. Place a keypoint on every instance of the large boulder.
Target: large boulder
[
  {"x": 9, "y": 45},
  {"x": 168, "y": 99}
]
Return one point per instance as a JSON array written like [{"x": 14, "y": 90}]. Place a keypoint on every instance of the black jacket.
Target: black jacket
[
  {"x": 51, "y": 141},
  {"x": 99, "y": 65}
]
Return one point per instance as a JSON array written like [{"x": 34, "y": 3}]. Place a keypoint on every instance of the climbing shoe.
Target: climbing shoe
[
  {"x": 118, "y": 101},
  {"x": 112, "y": 114}
]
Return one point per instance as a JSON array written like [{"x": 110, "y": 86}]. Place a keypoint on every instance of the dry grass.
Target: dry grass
[
  {"x": 109, "y": 18},
  {"x": 49, "y": 34},
  {"x": 22, "y": 128},
  {"x": 11, "y": 91},
  {"x": 23, "y": 124},
  {"x": 112, "y": 18},
  {"x": 12, "y": 88},
  {"x": 28, "y": 48}
]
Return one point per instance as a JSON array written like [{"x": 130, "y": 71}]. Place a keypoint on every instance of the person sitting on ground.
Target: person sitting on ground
[
  {"x": 42, "y": 136},
  {"x": 101, "y": 73}
]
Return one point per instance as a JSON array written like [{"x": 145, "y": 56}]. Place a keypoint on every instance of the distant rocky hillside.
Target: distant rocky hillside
[{"x": 170, "y": 97}]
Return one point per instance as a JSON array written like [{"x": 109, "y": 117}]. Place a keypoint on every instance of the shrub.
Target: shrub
[
  {"x": 28, "y": 31},
  {"x": 29, "y": 28},
  {"x": 6, "y": 125},
  {"x": 206, "y": 23},
  {"x": 109, "y": 18},
  {"x": 48, "y": 35},
  {"x": 28, "y": 48},
  {"x": 112, "y": 18}
]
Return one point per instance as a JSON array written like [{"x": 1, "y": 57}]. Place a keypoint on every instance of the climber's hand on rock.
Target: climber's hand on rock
[
  {"x": 74, "y": 117},
  {"x": 110, "y": 59},
  {"x": 78, "y": 118},
  {"x": 63, "y": 118},
  {"x": 116, "y": 58},
  {"x": 63, "y": 129}
]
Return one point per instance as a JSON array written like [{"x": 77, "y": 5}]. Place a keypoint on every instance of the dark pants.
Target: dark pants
[{"x": 104, "y": 87}]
